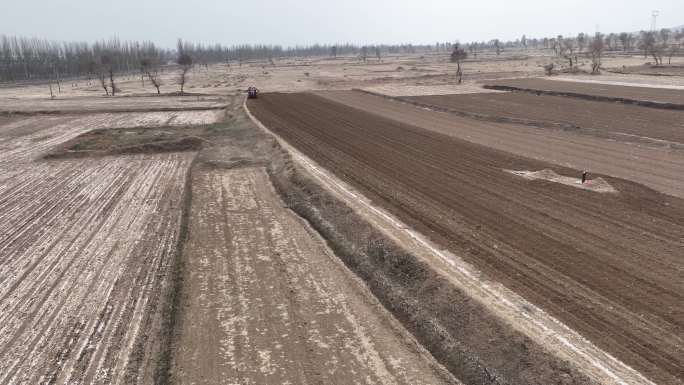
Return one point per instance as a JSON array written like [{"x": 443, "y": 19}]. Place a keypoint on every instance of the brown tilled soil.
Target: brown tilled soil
[
  {"x": 595, "y": 91},
  {"x": 657, "y": 168},
  {"x": 136, "y": 140},
  {"x": 608, "y": 265},
  {"x": 566, "y": 113}
]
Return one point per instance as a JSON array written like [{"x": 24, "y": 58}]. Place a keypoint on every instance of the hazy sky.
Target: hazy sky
[{"x": 310, "y": 21}]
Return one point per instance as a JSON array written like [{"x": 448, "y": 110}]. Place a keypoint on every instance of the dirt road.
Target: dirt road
[
  {"x": 267, "y": 303},
  {"x": 635, "y": 123},
  {"x": 579, "y": 255},
  {"x": 659, "y": 169}
]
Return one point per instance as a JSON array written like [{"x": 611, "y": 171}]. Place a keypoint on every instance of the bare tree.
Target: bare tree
[
  {"x": 651, "y": 46},
  {"x": 555, "y": 45},
  {"x": 610, "y": 41},
  {"x": 674, "y": 48},
  {"x": 185, "y": 61},
  {"x": 149, "y": 68},
  {"x": 107, "y": 69},
  {"x": 665, "y": 35},
  {"x": 646, "y": 42},
  {"x": 101, "y": 75},
  {"x": 457, "y": 56},
  {"x": 581, "y": 41},
  {"x": 472, "y": 47},
  {"x": 626, "y": 40},
  {"x": 568, "y": 50},
  {"x": 596, "y": 48},
  {"x": 111, "y": 81},
  {"x": 497, "y": 46}
]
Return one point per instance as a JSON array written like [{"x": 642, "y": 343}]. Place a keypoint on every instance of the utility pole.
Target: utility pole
[{"x": 654, "y": 16}]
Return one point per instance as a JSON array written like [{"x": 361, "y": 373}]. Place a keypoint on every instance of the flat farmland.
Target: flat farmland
[
  {"x": 85, "y": 250},
  {"x": 635, "y": 122},
  {"x": 657, "y": 168},
  {"x": 580, "y": 255},
  {"x": 647, "y": 94},
  {"x": 85, "y": 246}
]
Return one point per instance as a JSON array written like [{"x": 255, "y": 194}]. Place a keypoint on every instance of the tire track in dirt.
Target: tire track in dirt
[
  {"x": 267, "y": 303},
  {"x": 573, "y": 253}
]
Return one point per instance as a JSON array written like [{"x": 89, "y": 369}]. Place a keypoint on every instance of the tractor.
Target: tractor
[{"x": 252, "y": 93}]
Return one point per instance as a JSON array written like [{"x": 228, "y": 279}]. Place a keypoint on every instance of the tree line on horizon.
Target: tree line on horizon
[{"x": 25, "y": 59}]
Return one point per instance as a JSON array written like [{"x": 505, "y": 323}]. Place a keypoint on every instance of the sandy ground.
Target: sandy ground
[{"x": 267, "y": 303}]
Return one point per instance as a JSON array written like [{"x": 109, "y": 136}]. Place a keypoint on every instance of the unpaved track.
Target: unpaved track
[
  {"x": 267, "y": 303},
  {"x": 659, "y": 169},
  {"x": 659, "y": 95},
  {"x": 635, "y": 121},
  {"x": 579, "y": 255}
]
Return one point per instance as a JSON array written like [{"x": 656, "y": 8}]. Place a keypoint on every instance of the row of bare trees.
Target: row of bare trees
[
  {"x": 23, "y": 59},
  {"x": 26, "y": 59}
]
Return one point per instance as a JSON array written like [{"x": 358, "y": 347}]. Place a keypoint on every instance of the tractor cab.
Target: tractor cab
[{"x": 252, "y": 93}]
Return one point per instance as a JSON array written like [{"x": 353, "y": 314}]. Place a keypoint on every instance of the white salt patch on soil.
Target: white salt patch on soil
[
  {"x": 634, "y": 83},
  {"x": 406, "y": 90},
  {"x": 597, "y": 185}
]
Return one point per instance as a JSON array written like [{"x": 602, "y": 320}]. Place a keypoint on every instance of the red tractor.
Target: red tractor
[{"x": 252, "y": 93}]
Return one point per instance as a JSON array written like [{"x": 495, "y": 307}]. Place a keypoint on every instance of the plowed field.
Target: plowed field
[
  {"x": 85, "y": 249},
  {"x": 657, "y": 168},
  {"x": 635, "y": 122},
  {"x": 608, "y": 265}
]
